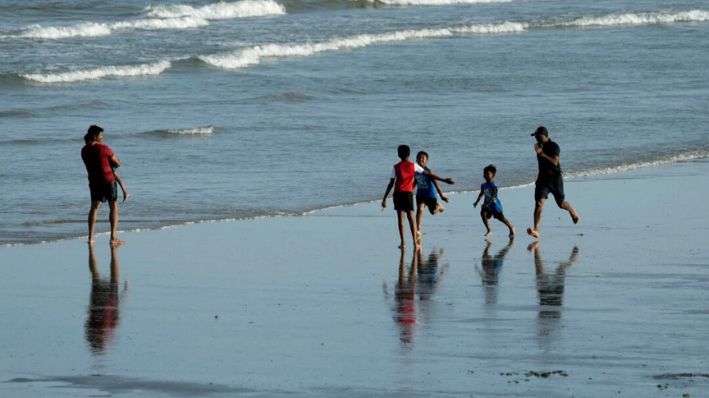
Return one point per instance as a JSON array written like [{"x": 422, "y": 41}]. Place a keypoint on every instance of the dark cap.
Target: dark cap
[{"x": 541, "y": 130}]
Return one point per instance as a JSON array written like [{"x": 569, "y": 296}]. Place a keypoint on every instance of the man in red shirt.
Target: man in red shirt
[
  {"x": 100, "y": 160},
  {"x": 402, "y": 180}
]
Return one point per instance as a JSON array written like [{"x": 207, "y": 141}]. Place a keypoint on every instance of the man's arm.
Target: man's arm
[
  {"x": 386, "y": 193},
  {"x": 554, "y": 160}
]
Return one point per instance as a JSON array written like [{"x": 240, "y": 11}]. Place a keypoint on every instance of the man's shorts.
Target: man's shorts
[
  {"x": 430, "y": 202},
  {"x": 404, "y": 201},
  {"x": 555, "y": 187},
  {"x": 101, "y": 192}
]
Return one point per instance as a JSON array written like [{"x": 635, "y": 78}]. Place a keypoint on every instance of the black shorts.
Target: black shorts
[
  {"x": 430, "y": 202},
  {"x": 555, "y": 187},
  {"x": 101, "y": 192},
  {"x": 404, "y": 201}
]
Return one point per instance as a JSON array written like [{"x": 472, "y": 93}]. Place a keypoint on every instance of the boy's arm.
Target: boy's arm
[
  {"x": 478, "y": 199},
  {"x": 386, "y": 193},
  {"x": 435, "y": 177},
  {"x": 440, "y": 191}
]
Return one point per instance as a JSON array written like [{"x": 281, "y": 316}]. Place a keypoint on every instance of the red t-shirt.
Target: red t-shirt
[
  {"x": 404, "y": 173},
  {"x": 97, "y": 159}
]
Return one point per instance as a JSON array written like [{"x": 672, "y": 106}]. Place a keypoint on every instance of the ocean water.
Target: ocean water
[{"x": 235, "y": 109}]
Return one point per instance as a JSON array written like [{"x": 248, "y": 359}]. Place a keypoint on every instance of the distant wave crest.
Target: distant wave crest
[
  {"x": 161, "y": 17},
  {"x": 642, "y": 19},
  {"x": 221, "y": 10},
  {"x": 192, "y": 131},
  {"x": 100, "y": 73},
  {"x": 253, "y": 55},
  {"x": 434, "y": 2}
]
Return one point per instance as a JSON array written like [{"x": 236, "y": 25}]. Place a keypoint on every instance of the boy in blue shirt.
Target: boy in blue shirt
[
  {"x": 491, "y": 207},
  {"x": 426, "y": 188}
]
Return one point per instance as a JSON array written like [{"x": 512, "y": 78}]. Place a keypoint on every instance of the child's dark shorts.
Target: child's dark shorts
[
  {"x": 555, "y": 187},
  {"x": 430, "y": 202},
  {"x": 101, "y": 192},
  {"x": 491, "y": 211},
  {"x": 404, "y": 201}
]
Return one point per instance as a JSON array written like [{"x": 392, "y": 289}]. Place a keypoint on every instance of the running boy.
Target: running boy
[
  {"x": 426, "y": 188},
  {"x": 491, "y": 207},
  {"x": 402, "y": 179}
]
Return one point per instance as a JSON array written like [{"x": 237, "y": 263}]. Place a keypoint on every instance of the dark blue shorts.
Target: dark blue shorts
[{"x": 101, "y": 192}]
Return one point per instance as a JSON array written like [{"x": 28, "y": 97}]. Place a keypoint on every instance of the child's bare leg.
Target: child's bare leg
[
  {"x": 400, "y": 219},
  {"x": 419, "y": 216},
  {"x": 414, "y": 230},
  {"x": 509, "y": 225},
  {"x": 488, "y": 231}
]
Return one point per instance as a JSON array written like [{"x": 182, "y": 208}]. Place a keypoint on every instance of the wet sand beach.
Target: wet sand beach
[{"x": 325, "y": 304}]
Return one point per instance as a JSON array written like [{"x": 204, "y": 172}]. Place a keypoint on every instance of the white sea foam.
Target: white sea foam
[
  {"x": 253, "y": 55},
  {"x": 100, "y": 73},
  {"x": 679, "y": 158},
  {"x": 208, "y": 130},
  {"x": 221, "y": 10},
  {"x": 435, "y": 2},
  {"x": 89, "y": 29},
  {"x": 642, "y": 19}
]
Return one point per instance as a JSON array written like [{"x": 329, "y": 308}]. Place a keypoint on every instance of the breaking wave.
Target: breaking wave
[
  {"x": 221, "y": 10},
  {"x": 161, "y": 17},
  {"x": 100, "y": 73},
  {"x": 434, "y": 2},
  {"x": 253, "y": 55},
  {"x": 641, "y": 19}
]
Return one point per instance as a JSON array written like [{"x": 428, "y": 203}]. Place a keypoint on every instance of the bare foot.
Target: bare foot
[
  {"x": 402, "y": 247},
  {"x": 488, "y": 233},
  {"x": 90, "y": 242},
  {"x": 115, "y": 242},
  {"x": 533, "y": 232},
  {"x": 575, "y": 218},
  {"x": 439, "y": 209}
]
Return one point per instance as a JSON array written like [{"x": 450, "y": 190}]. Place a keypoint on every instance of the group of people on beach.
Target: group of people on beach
[
  {"x": 407, "y": 175},
  {"x": 101, "y": 163}
]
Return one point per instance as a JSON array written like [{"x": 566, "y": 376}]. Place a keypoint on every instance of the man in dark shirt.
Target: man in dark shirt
[
  {"x": 100, "y": 160},
  {"x": 549, "y": 179}
]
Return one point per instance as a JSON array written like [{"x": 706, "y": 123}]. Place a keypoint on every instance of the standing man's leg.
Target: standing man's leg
[
  {"x": 113, "y": 218},
  {"x": 93, "y": 212}
]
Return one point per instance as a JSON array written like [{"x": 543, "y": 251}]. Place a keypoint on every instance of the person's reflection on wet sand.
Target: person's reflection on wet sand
[
  {"x": 429, "y": 274},
  {"x": 491, "y": 267},
  {"x": 550, "y": 285},
  {"x": 103, "y": 316},
  {"x": 405, "y": 298}
]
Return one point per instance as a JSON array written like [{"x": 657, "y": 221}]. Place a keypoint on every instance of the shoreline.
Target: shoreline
[
  {"x": 607, "y": 172},
  {"x": 325, "y": 304}
]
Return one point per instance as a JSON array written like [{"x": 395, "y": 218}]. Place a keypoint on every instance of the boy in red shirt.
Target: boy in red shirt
[{"x": 402, "y": 180}]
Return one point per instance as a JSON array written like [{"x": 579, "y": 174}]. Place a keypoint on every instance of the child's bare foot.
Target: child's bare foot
[
  {"x": 488, "y": 233},
  {"x": 402, "y": 247},
  {"x": 533, "y": 232},
  {"x": 115, "y": 242},
  {"x": 91, "y": 241},
  {"x": 439, "y": 209}
]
